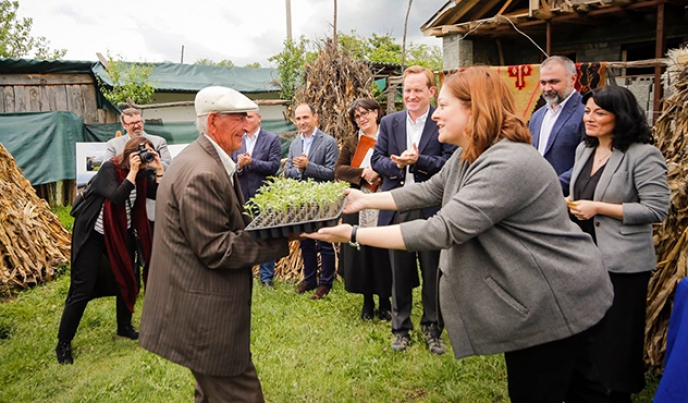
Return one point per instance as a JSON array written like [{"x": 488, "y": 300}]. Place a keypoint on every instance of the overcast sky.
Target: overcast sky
[{"x": 243, "y": 31}]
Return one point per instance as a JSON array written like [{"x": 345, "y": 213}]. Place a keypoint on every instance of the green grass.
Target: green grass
[{"x": 304, "y": 351}]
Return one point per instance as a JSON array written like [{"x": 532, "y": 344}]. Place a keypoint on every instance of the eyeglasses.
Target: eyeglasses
[
  {"x": 138, "y": 122},
  {"x": 360, "y": 115}
]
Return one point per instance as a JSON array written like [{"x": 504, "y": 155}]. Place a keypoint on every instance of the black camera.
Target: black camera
[{"x": 145, "y": 155}]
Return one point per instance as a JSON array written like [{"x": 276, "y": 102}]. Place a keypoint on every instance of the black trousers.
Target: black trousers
[
  {"x": 555, "y": 372},
  {"x": 405, "y": 278},
  {"x": 84, "y": 274}
]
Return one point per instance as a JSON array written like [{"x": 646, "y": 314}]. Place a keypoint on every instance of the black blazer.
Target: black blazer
[{"x": 392, "y": 141}]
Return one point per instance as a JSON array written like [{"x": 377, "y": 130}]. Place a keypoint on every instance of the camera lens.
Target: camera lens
[{"x": 146, "y": 156}]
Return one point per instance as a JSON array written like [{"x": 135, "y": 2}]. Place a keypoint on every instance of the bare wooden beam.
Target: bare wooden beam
[
  {"x": 46, "y": 79},
  {"x": 660, "y": 44},
  {"x": 636, "y": 64},
  {"x": 504, "y": 7},
  {"x": 465, "y": 9},
  {"x": 487, "y": 7}
]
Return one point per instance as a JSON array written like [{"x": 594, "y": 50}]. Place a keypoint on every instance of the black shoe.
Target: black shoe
[
  {"x": 267, "y": 284},
  {"x": 64, "y": 352},
  {"x": 367, "y": 312},
  {"x": 128, "y": 331},
  {"x": 385, "y": 314}
]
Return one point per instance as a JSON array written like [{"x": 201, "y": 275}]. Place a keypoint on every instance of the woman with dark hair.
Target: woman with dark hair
[
  {"x": 619, "y": 189},
  {"x": 366, "y": 270},
  {"x": 517, "y": 276},
  {"x": 112, "y": 225}
]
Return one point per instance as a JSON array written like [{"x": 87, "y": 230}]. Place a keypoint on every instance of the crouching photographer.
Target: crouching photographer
[{"x": 112, "y": 226}]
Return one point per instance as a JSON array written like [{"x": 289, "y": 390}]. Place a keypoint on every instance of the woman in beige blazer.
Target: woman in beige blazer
[
  {"x": 517, "y": 276},
  {"x": 619, "y": 188}
]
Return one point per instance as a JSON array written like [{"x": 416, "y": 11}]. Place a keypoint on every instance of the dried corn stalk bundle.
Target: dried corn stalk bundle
[
  {"x": 671, "y": 133},
  {"x": 33, "y": 243},
  {"x": 332, "y": 83}
]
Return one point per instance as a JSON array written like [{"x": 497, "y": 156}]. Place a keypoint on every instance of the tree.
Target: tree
[
  {"x": 290, "y": 65},
  {"x": 15, "y": 36},
  {"x": 208, "y": 62},
  {"x": 254, "y": 65},
  {"x": 130, "y": 82},
  {"x": 381, "y": 48}
]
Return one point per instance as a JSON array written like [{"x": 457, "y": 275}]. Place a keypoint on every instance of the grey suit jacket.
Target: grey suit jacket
[
  {"x": 197, "y": 311},
  {"x": 321, "y": 158},
  {"x": 115, "y": 146},
  {"x": 637, "y": 179},
  {"x": 516, "y": 271}
]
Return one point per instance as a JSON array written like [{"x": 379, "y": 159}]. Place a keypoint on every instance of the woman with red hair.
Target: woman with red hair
[{"x": 516, "y": 275}]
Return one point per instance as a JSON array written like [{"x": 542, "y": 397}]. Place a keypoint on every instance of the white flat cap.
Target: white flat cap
[{"x": 223, "y": 100}]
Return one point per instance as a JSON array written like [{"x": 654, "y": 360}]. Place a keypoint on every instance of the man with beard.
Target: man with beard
[{"x": 557, "y": 127}]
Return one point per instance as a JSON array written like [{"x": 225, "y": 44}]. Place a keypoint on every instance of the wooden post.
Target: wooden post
[
  {"x": 660, "y": 44},
  {"x": 548, "y": 45}
]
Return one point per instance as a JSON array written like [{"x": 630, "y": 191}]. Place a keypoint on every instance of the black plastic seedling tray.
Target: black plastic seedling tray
[{"x": 285, "y": 228}]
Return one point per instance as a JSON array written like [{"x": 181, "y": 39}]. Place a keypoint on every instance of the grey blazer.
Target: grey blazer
[
  {"x": 321, "y": 158},
  {"x": 115, "y": 146},
  {"x": 516, "y": 271},
  {"x": 197, "y": 311},
  {"x": 637, "y": 179}
]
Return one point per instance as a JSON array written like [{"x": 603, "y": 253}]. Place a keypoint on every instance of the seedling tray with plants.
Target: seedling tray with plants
[{"x": 285, "y": 206}]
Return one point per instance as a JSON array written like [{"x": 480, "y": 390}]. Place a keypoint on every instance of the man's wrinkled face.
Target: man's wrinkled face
[{"x": 227, "y": 129}]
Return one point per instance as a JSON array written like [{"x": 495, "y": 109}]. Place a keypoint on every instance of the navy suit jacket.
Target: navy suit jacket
[
  {"x": 266, "y": 157},
  {"x": 392, "y": 141},
  {"x": 567, "y": 133}
]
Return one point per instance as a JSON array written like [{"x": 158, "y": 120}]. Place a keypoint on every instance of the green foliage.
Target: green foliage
[
  {"x": 208, "y": 62},
  {"x": 279, "y": 195},
  {"x": 131, "y": 81},
  {"x": 15, "y": 36},
  {"x": 254, "y": 65},
  {"x": 290, "y": 63},
  {"x": 376, "y": 48}
]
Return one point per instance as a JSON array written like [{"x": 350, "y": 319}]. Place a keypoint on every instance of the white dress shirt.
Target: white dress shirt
[
  {"x": 551, "y": 116},
  {"x": 414, "y": 130}
]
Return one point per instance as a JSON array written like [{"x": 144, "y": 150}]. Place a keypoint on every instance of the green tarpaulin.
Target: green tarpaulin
[{"x": 43, "y": 143}]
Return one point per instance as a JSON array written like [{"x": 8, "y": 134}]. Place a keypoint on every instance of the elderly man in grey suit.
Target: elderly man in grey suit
[
  {"x": 197, "y": 311},
  {"x": 557, "y": 128},
  {"x": 132, "y": 122},
  {"x": 312, "y": 155}
]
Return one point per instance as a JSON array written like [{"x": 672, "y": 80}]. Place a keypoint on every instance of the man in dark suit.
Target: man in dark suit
[
  {"x": 407, "y": 151},
  {"x": 258, "y": 158},
  {"x": 197, "y": 311},
  {"x": 557, "y": 128},
  {"x": 312, "y": 155}
]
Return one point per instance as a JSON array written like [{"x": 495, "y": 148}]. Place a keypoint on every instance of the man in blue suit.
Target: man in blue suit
[
  {"x": 258, "y": 158},
  {"x": 408, "y": 151},
  {"x": 312, "y": 155},
  {"x": 557, "y": 127}
]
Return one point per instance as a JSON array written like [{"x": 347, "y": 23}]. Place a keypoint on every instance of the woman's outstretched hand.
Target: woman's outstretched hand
[
  {"x": 354, "y": 201},
  {"x": 340, "y": 233}
]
